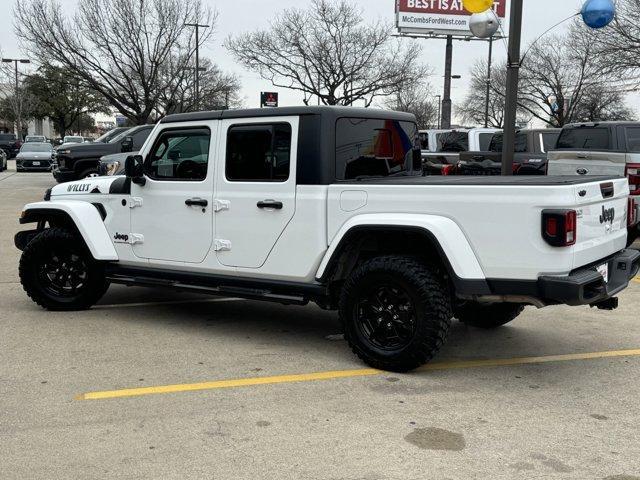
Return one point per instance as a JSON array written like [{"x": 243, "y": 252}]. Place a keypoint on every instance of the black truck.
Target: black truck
[
  {"x": 531, "y": 147},
  {"x": 75, "y": 162},
  {"x": 10, "y": 144}
]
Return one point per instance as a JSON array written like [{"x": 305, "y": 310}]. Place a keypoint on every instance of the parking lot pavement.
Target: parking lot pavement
[{"x": 569, "y": 417}]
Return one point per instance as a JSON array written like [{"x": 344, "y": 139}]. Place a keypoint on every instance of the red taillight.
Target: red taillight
[
  {"x": 632, "y": 172},
  {"x": 559, "y": 227},
  {"x": 631, "y": 212},
  {"x": 447, "y": 169}
]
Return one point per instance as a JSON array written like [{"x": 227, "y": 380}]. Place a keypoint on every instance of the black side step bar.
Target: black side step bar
[{"x": 289, "y": 293}]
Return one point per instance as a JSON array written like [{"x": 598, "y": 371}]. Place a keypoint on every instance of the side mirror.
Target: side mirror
[
  {"x": 126, "y": 145},
  {"x": 133, "y": 169}
]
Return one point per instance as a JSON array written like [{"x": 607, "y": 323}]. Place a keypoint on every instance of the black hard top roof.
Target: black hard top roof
[{"x": 325, "y": 111}]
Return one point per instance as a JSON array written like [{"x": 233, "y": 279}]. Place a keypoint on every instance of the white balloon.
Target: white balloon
[{"x": 485, "y": 24}]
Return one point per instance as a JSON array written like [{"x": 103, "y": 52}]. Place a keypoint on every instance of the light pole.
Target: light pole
[
  {"x": 19, "y": 109},
  {"x": 486, "y": 106},
  {"x": 511, "y": 100},
  {"x": 439, "y": 97},
  {"x": 197, "y": 27}
]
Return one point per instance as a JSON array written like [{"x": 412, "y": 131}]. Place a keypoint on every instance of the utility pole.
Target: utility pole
[
  {"x": 439, "y": 107},
  {"x": 197, "y": 89},
  {"x": 446, "y": 101},
  {"x": 486, "y": 107},
  {"x": 511, "y": 100},
  {"x": 17, "y": 86}
]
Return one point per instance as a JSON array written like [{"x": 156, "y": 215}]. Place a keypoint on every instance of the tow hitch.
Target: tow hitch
[{"x": 608, "y": 304}]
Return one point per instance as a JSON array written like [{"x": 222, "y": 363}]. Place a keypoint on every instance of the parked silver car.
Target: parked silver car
[{"x": 34, "y": 156}]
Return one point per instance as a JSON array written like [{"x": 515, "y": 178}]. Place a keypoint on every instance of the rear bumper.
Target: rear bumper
[
  {"x": 583, "y": 286},
  {"x": 586, "y": 286}
]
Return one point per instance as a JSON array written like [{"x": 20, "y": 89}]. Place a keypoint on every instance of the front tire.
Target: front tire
[
  {"x": 396, "y": 312},
  {"x": 58, "y": 272},
  {"x": 489, "y": 316}
]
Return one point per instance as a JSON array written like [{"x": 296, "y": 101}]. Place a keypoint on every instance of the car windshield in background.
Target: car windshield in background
[
  {"x": 36, "y": 147},
  {"x": 107, "y": 136},
  {"x": 585, "y": 138},
  {"x": 424, "y": 141},
  {"x": 453, "y": 142},
  {"x": 73, "y": 139},
  {"x": 7, "y": 137},
  {"x": 121, "y": 135},
  {"x": 376, "y": 148}
]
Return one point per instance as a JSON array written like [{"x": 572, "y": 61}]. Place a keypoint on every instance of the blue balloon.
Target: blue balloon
[{"x": 598, "y": 13}]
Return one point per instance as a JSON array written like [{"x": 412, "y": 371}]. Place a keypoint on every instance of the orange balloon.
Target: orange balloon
[{"x": 477, "y": 6}]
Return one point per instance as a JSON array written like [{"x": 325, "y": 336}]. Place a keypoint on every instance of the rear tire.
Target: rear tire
[
  {"x": 58, "y": 272},
  {"x": 396, "y": 312},
  {"x": 488, "y": 316}
]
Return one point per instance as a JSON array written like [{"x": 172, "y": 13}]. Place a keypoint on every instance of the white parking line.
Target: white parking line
[{"x": 169, "y": 302}]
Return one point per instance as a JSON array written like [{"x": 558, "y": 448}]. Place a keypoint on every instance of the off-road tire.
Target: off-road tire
[
  {"x": 427, "y": 293},
  {"x": 39, "y": 250},
  {"x": 488, "y": 316}
]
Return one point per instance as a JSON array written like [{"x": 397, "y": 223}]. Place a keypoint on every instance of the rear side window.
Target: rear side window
[
  {"x": 585, "y": 138},
  {"x": 520, "y": 143},
  {"x": 633, "y": 139},
  {"x": 549, "y": 140},
  {"x": 258, "y": 153},
  {"x": 376, "y": 148},
  {"x": 485, "y": 139},
  {"x": 180, "y": 154},
  {"x": 453, "y": 142},
  {"x": 424, "y": 141}
]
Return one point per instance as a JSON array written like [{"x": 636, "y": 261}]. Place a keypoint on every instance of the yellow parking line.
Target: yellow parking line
[{"x": 330, "y": 375}]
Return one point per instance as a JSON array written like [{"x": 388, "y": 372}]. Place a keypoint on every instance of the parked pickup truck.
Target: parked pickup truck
[
  {"x": 77, "y": 161},
  {"x": 530, "y": 157},
  {"x": 329, "y": 204},
  {"x": 445, "y": 146},
  {"x": 603, "y": 148}
]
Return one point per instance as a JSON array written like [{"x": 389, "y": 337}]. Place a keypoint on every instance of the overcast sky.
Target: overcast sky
[{"x": 243, "y": 15}]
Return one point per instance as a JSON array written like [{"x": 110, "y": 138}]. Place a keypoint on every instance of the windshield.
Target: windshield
[
  {"x": 119, "y": 137},
  {"x": 73, "y": 139},
  {"x": 106, "y": 136},
  {"x": 36, "y": 147}
]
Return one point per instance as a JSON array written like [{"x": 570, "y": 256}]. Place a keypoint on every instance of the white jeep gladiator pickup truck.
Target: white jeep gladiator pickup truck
[{"x": 328, "y": 204}]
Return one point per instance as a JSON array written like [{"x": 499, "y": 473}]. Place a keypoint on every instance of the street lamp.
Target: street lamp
[
  {"x": 197, "y": 26},
  {"x": 18, "y": 119}
]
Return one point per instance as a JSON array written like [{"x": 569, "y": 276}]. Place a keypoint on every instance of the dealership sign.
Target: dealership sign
[{"x": 446, "y": 17}]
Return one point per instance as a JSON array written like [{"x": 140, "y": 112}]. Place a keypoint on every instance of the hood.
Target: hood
[
  {"x": 34, "y": 156},
  {"x": 94, "y": 185},
  {"x": 94, "y": 149},
  {"x": 117, "y": 157}
]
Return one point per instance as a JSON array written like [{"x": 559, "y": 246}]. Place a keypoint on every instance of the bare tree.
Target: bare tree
[
  {"x": 118, "y": 48},
  {"x": 16, "y": 103},
  {"x": 416, "y": 98},
  {"x": 217, "y": 90},
  {"x": 618, "y": 46},
  {"x": 562, "y": 80},
  {"x": 328, "y": 52},
  {"x": 472, "y": 110}
]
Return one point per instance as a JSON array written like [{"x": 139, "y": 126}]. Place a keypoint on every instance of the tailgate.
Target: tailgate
[
  {"x": 602, "y": 220},
  {"x": 570, "y": 162}
]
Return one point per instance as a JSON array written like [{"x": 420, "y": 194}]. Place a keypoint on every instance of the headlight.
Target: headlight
[
  {"x": 65, "y": 151},
  {"x": 112, "y": 168}
]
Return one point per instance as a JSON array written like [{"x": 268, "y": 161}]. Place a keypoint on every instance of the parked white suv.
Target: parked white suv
[{"x": 328, "y": 204}]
